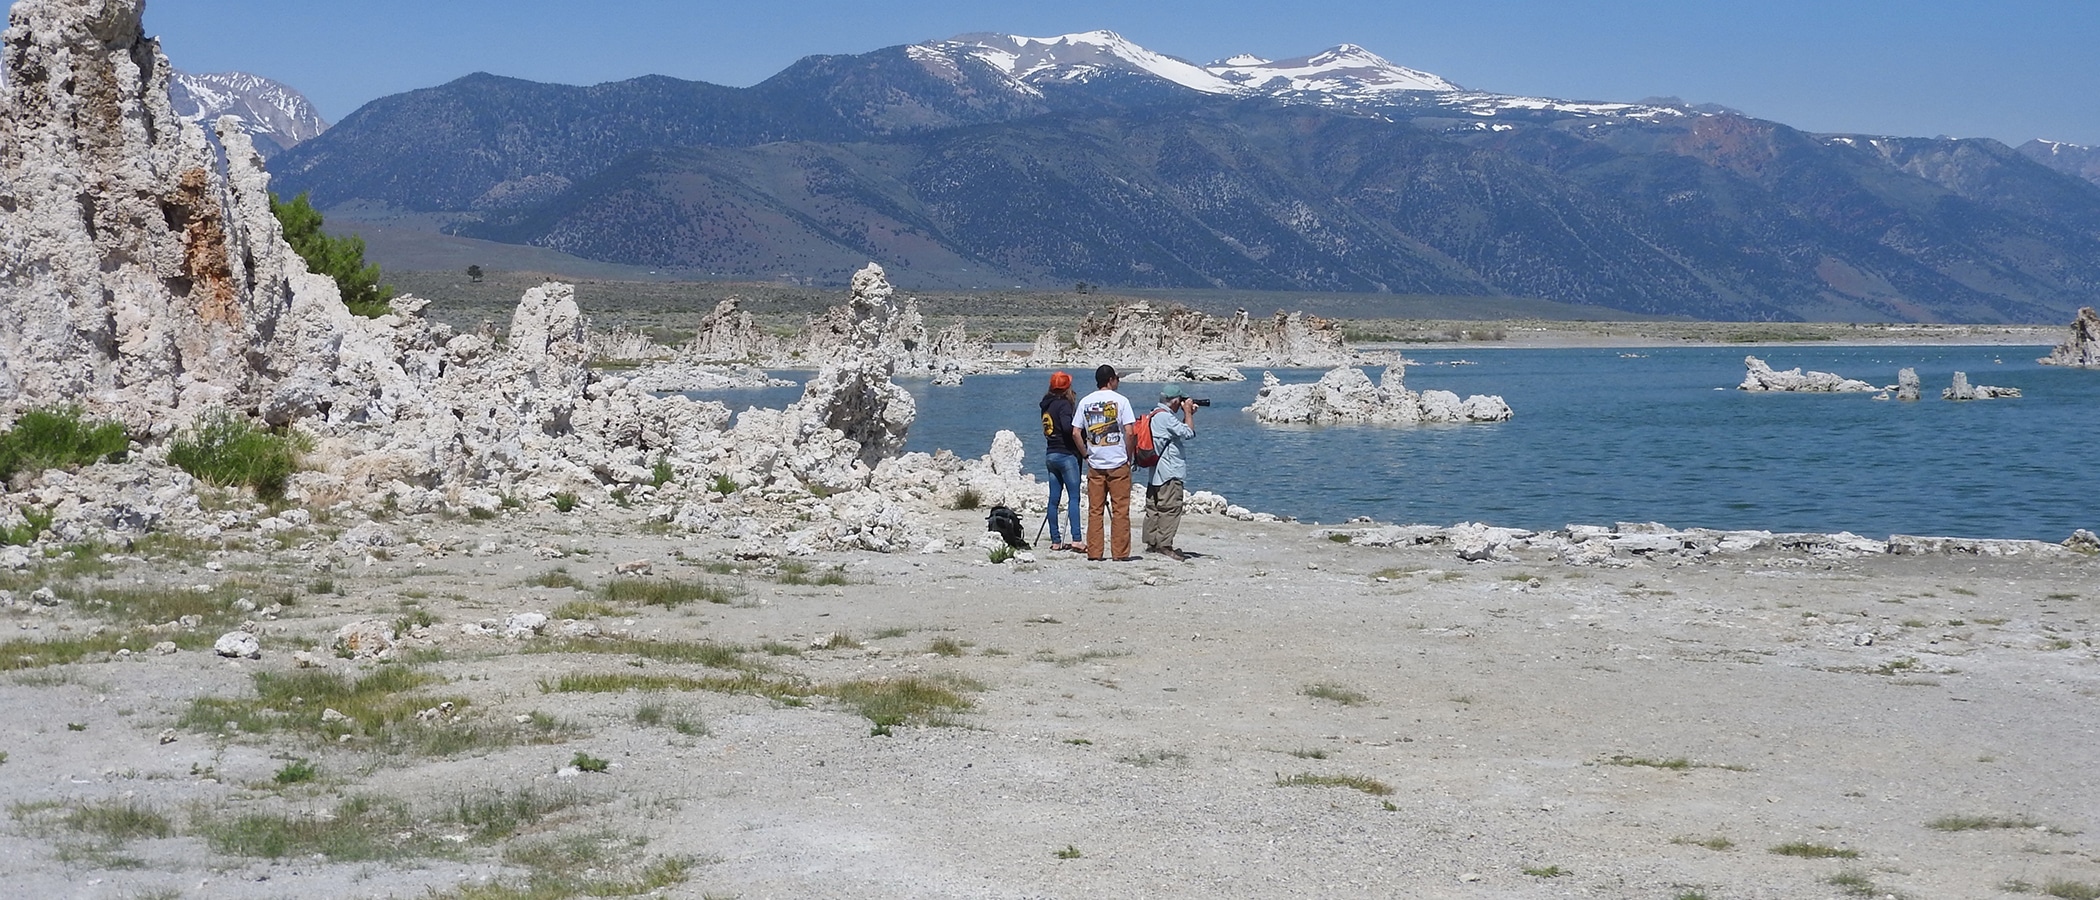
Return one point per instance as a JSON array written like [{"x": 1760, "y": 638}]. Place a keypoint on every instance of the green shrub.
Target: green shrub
[
  {"x": 34, "y": 521},
  {"x": 340, "y": 258},
  {"x": 226, "y": 449},
  {"x": 564, "y": 502},
  {"x": 661, "y": 474},
  {"x": 57, "y": 438},
  {"x": 297, "y": 771}
]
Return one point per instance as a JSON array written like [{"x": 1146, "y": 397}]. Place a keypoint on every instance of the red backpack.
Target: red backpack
[{"x": 1144, "y": 452}]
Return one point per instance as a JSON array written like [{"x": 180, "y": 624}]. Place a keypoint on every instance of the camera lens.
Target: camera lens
[{"x": 1199, "y": 402}]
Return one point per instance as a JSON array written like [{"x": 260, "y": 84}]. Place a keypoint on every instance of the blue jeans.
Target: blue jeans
[{"x": 1064, "y": 482}]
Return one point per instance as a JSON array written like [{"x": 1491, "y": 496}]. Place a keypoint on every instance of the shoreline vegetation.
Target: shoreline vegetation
[{"x": 667, "y": 311}]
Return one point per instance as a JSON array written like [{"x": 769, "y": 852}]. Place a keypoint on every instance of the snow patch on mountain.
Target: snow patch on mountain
[
  {"x": 1079, "y": 57},
  {"x": 277, "y": 116},
  {"x": 1345, "y": 71}
]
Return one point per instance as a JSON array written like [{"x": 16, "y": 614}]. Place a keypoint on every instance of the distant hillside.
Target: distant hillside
[{"x": 998, "y": 161}]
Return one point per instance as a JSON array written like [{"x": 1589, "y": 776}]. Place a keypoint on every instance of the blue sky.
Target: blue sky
[{"x": 2008, "y": 69}]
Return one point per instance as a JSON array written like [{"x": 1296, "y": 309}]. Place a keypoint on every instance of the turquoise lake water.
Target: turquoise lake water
[{"x": 1600, "y": 438}]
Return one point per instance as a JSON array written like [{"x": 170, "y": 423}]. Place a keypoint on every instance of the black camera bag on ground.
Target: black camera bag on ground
[{"x": 1008, "y": 524}]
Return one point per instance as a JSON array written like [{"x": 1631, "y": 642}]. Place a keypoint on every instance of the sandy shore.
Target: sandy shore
[{"x": 1134, "y": 729}]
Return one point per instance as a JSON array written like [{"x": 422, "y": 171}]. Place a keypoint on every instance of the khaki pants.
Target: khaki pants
[
  {"x": 1112, "y": 487},
  {"x": 1162, "y": 514}
]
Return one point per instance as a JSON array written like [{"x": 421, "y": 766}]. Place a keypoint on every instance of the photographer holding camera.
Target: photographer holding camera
[{"x": 1173, "y": 426}]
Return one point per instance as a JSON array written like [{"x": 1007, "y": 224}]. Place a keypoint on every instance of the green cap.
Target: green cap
[{"x": 1172, "y": 391}]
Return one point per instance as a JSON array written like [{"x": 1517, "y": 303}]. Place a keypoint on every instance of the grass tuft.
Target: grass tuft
[
  {"x": 1980, "y": 823},
  {"x": 226, "y": 449},
  {"x": 297, "y": 771},
  {"x": 57, "y": 438},
  {"x": 665, "y": 593},
  {"x": 1327, "y": 690},
  {"x": 1807, "y": 850},
  {"x": 1368, "y": 785}
]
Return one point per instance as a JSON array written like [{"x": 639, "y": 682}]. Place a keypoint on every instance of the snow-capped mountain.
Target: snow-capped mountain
[
  {"x": 1346, "y": 76},
  {"x": 277, "y": 116}
]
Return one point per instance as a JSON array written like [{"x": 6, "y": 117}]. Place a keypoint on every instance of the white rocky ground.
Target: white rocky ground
[{"x": 1602, "y": 721}]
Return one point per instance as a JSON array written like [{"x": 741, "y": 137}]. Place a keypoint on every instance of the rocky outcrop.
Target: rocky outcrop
[
  {"x": 901, "y": 336},
  {"x": 137, "y": 279},
  {"x": 144, "y": 283},
  {"x": 2082, "y": 348},
  {"x": 1907, "y": 385},
  {"x": 1347, "y": 395},
  {"x": 728, "y": 333},
  {"x": 1963, "y": 390},
  {"x": 1761, "y": 377},
  {"x": 1182, "y": 344}
]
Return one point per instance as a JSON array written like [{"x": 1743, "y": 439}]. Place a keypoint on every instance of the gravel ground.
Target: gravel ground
[{"x": 1519, "y": 728}]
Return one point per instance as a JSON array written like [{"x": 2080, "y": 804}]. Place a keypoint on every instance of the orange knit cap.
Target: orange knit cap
[{"x": 1060, "y": 381}]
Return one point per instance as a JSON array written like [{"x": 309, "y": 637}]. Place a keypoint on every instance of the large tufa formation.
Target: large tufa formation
[
  {"x": 1347, "y": 395},
  {"x": 1961, "y": 389},
  {"x": 137, "y": 281},
  {"x": 899, "y": 332},
  {"x": 1182, "y": 344},
  {"x": 1761, "y": 377},
  {"x": 2082, "y": 349},
  {"x": 729, "y": 334}
]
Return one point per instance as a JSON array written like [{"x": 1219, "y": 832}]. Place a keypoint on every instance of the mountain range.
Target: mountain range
[
  {"x": 996, "y": 160},
  {"x": 277, "y": 116}
]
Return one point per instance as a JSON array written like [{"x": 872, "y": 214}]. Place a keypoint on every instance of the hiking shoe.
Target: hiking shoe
[
  {"x": 1173, "y": 554},
  {"x": 1130, "y": 559}
]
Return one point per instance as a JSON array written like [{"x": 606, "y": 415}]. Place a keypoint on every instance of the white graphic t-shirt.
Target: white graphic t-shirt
[{"x": 1101, "y": 417}]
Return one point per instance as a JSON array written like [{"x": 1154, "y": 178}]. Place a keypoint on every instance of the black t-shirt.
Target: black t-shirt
[{"x": 1057, "y": 425}]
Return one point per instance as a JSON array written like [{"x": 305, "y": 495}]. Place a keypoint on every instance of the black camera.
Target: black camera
[{"x": 1199, "y": 401}]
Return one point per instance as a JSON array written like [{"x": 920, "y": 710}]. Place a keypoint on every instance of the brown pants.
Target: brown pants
[
  {"x": 1162, "y": 514},
  {"x": 1112, "y": 487}
]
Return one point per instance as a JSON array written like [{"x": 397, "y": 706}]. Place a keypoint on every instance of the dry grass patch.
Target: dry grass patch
[
  {"x": 706, "y": 653},
  {"x": 23, "y": 653},
  {"x": 667, "y": 593},
  {"x": 1806, "y": 850},
  {"x": 1363, "y": 783},
  {"x": 1328, "y": 690},
  {"x": 381, "y": 709}
]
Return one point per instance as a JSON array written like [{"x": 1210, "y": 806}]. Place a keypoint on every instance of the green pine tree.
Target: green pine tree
[{"x": 340, "y": 258}]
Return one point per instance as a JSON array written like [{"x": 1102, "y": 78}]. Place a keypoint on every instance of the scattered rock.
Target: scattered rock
[
  {"x": 238, "y": 645},
  {"x": 164, "y": 648},
  {"x": 365, "y": 639},
  {"x": 304, "y": 660},
  {"x": 167, "y": 735},
  {"x": 524, "y": 625},
  {"x": 331, "y": 716}
]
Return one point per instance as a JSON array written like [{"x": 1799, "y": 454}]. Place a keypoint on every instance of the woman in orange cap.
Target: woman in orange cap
[{"x": 1062, "y": 458}]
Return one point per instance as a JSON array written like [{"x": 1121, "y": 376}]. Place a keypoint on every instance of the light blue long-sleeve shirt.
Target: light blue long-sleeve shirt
[{"x": 1172, "y": 438}]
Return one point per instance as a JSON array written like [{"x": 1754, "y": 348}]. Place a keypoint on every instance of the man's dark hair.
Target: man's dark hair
[{"x": 1104, "y": 375}]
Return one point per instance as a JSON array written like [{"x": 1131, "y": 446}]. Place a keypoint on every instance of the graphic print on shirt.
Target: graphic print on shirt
[{"x": 1100, "y": 420}]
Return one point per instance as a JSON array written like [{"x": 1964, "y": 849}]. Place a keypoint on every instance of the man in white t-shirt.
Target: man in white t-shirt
[{"x": 1101, "y": 429}]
